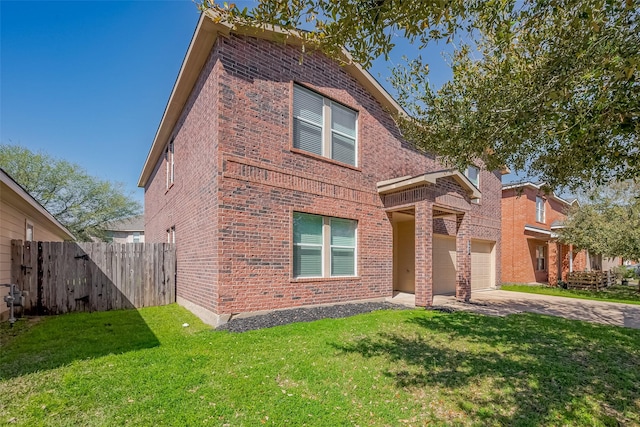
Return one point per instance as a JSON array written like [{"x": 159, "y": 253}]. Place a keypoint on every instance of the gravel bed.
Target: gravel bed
[{"x": 284, "y": 317}]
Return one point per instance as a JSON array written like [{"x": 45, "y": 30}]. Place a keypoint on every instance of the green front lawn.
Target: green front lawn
[
  {"x": 626, "y": 294},
  {"x": 412, "y": 367}
]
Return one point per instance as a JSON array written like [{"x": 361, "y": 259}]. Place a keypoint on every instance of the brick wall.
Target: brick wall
[
  {"x": 519, "y": 247},
  {"x": 238, "y": 182},
  {"x": 190, "y": 205}
]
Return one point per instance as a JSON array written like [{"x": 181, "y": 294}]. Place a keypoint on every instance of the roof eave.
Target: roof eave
[
  {"x": 197, "y": 54},
  {"x": 405, "y": 182},
  {"x": 17, "y": 188}
]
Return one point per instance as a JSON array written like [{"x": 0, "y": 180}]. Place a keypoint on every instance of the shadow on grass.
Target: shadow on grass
[
  {"x": 537, "y": 370},
  {"x": 60, "y": 340}
]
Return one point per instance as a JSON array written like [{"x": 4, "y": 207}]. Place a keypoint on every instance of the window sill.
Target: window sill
[
  {"x": 324, "y": 159},
  {"x": 323, "y": 279}
]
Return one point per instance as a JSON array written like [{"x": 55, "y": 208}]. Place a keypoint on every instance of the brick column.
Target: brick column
[
  {"x": 555, "y": 262},
  {"x": 463, "y": 257},
  {"x": 424, "y": 256}
]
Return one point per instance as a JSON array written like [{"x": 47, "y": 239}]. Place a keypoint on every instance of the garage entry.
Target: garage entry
[
  {"x": 482, "y": 264},
  {"x": 444, "y": 264}
]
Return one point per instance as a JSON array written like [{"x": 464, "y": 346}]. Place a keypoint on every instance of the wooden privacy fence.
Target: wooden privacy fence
[
  {"x": 590, "y": 279},
  {"x": 61, "y": 277}
]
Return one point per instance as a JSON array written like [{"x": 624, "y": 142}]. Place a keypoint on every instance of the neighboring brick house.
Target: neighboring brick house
[
  {"x": 530, "y": 251},
  {"x": 284, "y": 182}
]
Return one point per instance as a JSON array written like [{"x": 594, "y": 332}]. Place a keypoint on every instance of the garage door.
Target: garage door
[
  {"x": 444, "y": 264},
  {"x": 482, "y": 266}
]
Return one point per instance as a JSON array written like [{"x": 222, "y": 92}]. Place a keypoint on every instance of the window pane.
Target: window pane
[
  {"x": 343, "y": 232},
  {"x": 343, "y": 262},
  {"x": 307, "y": 229},
  {"x": 472, "y": 174},
  {"x": 307, "y": 105},
  {"x": 343, "y": 149},
  {"x": 307, "y": 261},
  {"x": 307, "y": 137},
  {"x": 343, "y": 120}
]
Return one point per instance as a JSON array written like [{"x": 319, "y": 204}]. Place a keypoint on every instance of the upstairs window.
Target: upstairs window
[
  {"x": 169, "y": 161},
  {"x": 324, "y": 127},
  {"x": 539, "y": 209},
  {"x": 171, "y": 234},
  {"x": 323, "y": 246},
  {"x": 473, "y": 173}
]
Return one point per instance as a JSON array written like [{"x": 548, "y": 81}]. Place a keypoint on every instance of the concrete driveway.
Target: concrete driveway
[{"x": 501, "y": 303}]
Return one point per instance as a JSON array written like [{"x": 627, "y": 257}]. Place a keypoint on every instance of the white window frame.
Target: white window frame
[
  {"x": 326, "y": 128},
  {"x": 541, "y": 250},
  {"x": 169, "y": 154},
  {"x": 326, "y": 246},
  {"x": 540, "y": 208},
  {"x": 28, "y": 227},
  {"x": 136, "y": 237},
  {"x": 171, "y": 234},
  {"x": 475, "y": 182}
]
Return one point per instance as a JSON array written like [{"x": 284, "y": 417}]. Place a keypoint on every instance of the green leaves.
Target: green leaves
[
  {"x": 550, "y": 88},
  {"x": 82, "y": 203},
  {"x": 607, "y": 222}
]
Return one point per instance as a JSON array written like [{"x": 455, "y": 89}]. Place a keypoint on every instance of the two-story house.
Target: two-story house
[
  {"x": 284, "y": 181},
  {"x": 530, "y": 250}
]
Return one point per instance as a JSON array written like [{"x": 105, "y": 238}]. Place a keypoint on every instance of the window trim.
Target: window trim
[
  {"x": 325, "y": 248},
  {"x": 540, "y": 212},
  {"x": 326, "y": 129},
  {"x": 169, "y": 158},
  {"x": 466, "y": 173},
  {"x": 28, "y": 225}
]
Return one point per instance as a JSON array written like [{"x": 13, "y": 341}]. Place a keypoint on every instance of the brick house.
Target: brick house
[
  {"x": 530, "y": 220},
  {"x": 285, "y": 182}
]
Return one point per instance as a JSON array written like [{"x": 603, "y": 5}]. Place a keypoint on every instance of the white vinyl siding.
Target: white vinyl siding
[
  {"x": 324, "y": 127},
  {"x": 323, "y": 246},
  {"x": 539, "y": 209}
]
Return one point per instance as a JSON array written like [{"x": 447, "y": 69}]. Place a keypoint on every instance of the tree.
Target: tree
[
  {"x": 607, "y": 222},
  {"x": 546, "y": 87},
  {"x": 80, "y": 202}
]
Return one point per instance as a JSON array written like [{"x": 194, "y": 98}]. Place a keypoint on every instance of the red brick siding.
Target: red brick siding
[
  {"x": 519, "y": 247},
  {"x": 191, "y": 204},
  {"x": 233, "y": 204}
]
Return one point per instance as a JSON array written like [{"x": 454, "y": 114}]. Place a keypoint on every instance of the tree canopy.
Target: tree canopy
[
  {"x": 80, "y": 202},
  {"x": 550, "y": 88},
  {"x": 607, "y": 221}
]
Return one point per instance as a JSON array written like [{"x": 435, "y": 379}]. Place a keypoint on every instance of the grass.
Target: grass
[
  {"x": 626, "y": 294},
  {"x": 411, "y": 367}
]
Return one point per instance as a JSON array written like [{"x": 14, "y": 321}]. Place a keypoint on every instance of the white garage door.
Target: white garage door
[
  {"x": 444, "y": 264},
  {"x": 482, "y": 266}
]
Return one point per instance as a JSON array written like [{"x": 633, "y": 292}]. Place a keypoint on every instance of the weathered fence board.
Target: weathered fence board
[{"x": 62, "y": 277}]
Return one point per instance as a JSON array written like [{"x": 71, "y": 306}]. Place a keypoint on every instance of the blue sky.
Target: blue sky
[{"x": 88, "y": 81}]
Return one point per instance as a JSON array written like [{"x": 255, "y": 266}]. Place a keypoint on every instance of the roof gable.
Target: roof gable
[
  {"x": 7, "y": 180},
  {"x": 203, "y": 40}
]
